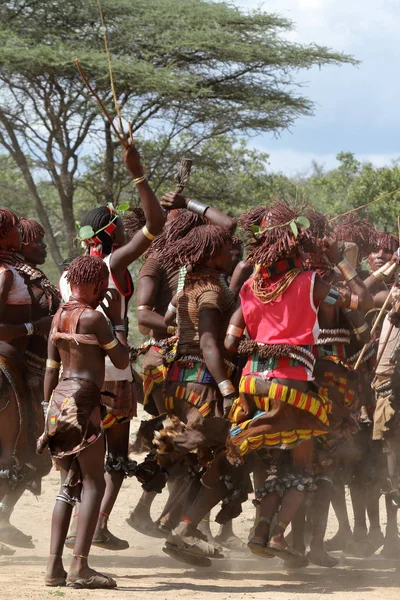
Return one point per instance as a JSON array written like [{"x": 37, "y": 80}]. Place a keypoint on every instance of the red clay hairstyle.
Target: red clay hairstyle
[
  {"x": 87, "y": 269},
  {"x": 31, "y": 230},
  {"x": 358, "y": 231},
  {"x": 278, "y": 241},
  {"x": 8, "y": 220},
  {"x": 251, "y": 217},
  {"x": 134, "y": 220},
  {"x": 201, "y": 243},
  {"x": 387, "y": 241}
]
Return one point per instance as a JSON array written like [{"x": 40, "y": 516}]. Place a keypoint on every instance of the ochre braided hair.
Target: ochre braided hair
[
  {"x": 31, "y": 230},
  {"x": 278, "y": 241},
  {"x": 87, "y": 269},
  {"x": 251, "y": 217},
  {"x": 201, "y": 243},
  {"x": 134, "y": 220},
  {"x": 358, "y": 231},
  {"x": 179, "y": 224},
  {"x": 386, "y": 241},
  {"x": 8, "y": 220}
]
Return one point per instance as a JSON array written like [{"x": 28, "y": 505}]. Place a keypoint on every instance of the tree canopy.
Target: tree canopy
[{"x": 186, "y": 71}]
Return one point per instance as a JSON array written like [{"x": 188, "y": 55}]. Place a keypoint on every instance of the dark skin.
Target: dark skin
[
  {"x": 34, "y": 254},
  {"x": 86, "y": 362},
  {"x": 124, "y": 253},
  {"x": 302, "y": 454},
  {"x": 150, "y": 320},
  {"x": 14, "y": 332},
  {"x": 209, "y": 329}
]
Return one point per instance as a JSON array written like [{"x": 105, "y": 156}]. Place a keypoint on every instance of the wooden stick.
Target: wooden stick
[
  {"x": 364, "y": 205},
  {"x": 374, "y": 327},
  {"x": 100, "y": 103},
  {"x": 182, "y": 175},
  {"x": 385, "y": 343},
  {"x": 110, "y": 71}
]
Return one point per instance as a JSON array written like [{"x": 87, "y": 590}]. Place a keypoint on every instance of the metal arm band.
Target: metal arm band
[
  {"x": 30, "y": 329},
  {"x": 144, "y": 307},
  {"x": 234, "y": 331},
  {"x": 147, "y": 234},
  {"x": 226, "y": 388},
  {"x": 332, "y": 296},
  {"x": 354, "y": 301},
  {"x": 172, "y": 308},
  {"x": 197, "y": 207},
  {"x": 347, "y": 270},
  {"x": 111, "y": 345},
  {"x": 52, "y": 364},
  {"x": 361, "y": 329}
]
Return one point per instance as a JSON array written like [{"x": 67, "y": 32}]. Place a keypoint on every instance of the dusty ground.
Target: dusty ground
[{"x": 144, "y": 571}]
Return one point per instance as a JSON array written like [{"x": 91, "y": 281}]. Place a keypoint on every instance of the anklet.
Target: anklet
[
  {"x": 282, "y": 525},
  {"x": 104, "y": 514},
  {"x": 186, "y": 520},
  {"x": 56, "y": 555},
  {"x": 78, "y": 556},
  {"x": 264, "y": 520}
]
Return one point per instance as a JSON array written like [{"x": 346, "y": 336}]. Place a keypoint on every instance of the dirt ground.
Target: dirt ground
[{"x": 144, "y": 571}]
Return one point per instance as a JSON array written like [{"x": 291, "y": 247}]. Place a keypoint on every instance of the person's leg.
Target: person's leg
[
  {"x": 344, "y": 533},
  {"x": 293, "y": 498},
  {"x": 59, "y": 528},
  {"x": 117, "y": 440},
  {"x": 91, "y": 462},
  {"x": 319, "y": 520},
  {"x": 8, "y": 533}
]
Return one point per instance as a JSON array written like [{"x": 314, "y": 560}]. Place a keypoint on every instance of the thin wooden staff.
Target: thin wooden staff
[
  {"x": 364, "y": 205},
  {"x": 100, "y": 103},
  {"x": 374, "y": 327},
  {"x": 182, "y": 175},
  {"x": 389, "y": 333},
  {"x": 110, "y": 71}
]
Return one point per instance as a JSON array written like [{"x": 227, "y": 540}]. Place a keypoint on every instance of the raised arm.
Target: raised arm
[
  {"x": 173, "y": 200},
  {"x": 122, "y": 257}
]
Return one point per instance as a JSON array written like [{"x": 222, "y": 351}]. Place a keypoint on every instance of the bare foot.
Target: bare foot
[{"x": 55, "y": 572}]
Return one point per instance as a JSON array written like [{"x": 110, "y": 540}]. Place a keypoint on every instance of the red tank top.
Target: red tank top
[{"x": 290, "y": 319}]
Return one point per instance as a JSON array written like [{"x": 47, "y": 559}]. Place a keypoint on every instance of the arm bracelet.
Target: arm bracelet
[
  {"x": 147, "y": 234},
  {"x": 144, "y": 307},
  {"x": 172, "y": 308},
  {"x": 385, "y": 271},
  {"x": 347, "y": 270},
  {"x": 171, "y": 330},
  {"x": 332, "y": 296},
  {"x": 121, "y": 328},
  {"x": 234, "y": 331},
  {"x": 354, "y": 300},
  {"x": 110, "y": 345},
  {"x": 361, "y": 329},
  {"x": 52, "y": 364},
  {"x": 30, "y": 329},
  {"x": 197, "y": 207},
  {"x": 226, "y": 388},
  {"x": 139, "y": 179}
]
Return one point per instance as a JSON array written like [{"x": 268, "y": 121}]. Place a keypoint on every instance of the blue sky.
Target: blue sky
[{"x": 357, "y": 108}]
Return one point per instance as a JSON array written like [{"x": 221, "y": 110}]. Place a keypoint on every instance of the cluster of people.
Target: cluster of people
[{"x": 269, "y": 372}]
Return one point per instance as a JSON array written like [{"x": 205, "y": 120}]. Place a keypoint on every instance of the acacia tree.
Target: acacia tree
[{"x": 181, "y": 66}]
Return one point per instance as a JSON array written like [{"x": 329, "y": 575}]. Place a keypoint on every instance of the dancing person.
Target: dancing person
[
  {"x": 80, "y": 340},
  {"x": 109, "y": 242}
]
